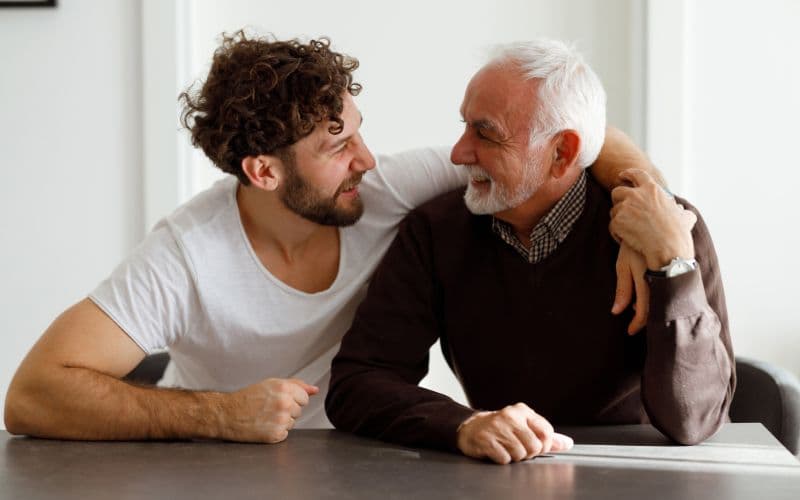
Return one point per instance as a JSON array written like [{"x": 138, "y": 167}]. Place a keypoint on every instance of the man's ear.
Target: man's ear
[
  {"x": 264, "y": 171},
  {"x": 567, "y": 146}
]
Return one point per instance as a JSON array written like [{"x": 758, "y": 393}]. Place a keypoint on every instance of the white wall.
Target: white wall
[
  {"x": 70, "y": 154},
  {"x": 417, "y": 57},
  {"x": 745, "y": 171},
  {"x": 723, "y": 102}
]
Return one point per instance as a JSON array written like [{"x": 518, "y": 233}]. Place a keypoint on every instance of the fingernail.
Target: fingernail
[{"x": 564, "y": 442}]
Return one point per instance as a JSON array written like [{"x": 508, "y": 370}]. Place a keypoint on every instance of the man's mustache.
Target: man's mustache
[{"x": 350, "y": 183}]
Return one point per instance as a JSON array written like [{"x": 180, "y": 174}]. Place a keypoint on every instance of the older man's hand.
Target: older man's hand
[
  {"x": 512, "y": 434},
  {"x": 649, "y": 221}
]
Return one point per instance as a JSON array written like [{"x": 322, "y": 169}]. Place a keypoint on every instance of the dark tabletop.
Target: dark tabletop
[{"x": 741, "y": 461}]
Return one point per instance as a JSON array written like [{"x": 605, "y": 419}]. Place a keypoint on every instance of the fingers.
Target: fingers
[
  {"x": 531, "y": 444},
  {"x": 517, "y": 444},
  {"x": 543, "y": 430},
  {"x": 625, "y": 284},
  {"x": 636, "y": 176},
  {"x": 295, "y": 411},
  {"x": 497, "y": 453},
  {"x": 561, "y": 442},
  {"x": 620, "y": 193},
  {"x": 639, "y": 320},
  {"x": 308, "y": 388},
  {"x": 688, "y": 219},
  {"x": 300, "y": 391},
  {"x": 276, "y": 436}
]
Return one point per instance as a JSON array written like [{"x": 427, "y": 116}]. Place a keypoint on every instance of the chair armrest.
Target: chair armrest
[
  {"x": 150, "y": 370},
  {"x": 768, "y": 394}
]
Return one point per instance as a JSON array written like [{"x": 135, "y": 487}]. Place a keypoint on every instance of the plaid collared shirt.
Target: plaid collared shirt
[{"x": 552, "y": 229}]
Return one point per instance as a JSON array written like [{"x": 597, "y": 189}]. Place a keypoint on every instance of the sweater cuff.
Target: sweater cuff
[
  {"x": 445, "y": 426},
  {"x": 676, "y": 297}
]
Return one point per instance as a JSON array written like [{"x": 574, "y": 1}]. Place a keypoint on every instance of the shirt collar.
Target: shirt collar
[{"x": 553, "y": 228}]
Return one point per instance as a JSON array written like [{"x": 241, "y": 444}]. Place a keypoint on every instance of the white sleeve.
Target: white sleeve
[
  {"x": 416, "y": 176},
  {"x": 149, "y": 295}
]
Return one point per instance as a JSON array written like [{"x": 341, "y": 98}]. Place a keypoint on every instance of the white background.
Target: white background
[{"x": 87, "y": 165}]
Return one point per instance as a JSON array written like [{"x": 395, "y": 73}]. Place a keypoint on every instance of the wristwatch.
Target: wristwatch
[{"x": 676, "y": 267}]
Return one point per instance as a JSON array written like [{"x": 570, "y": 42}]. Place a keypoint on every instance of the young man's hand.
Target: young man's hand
[
  {"x": 631, "y": 267},
  {"x": 649, "y": 221},
  {"x": 266, "y": 411}
]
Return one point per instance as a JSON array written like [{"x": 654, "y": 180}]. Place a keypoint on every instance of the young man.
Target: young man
[
  {"x": 516, "y": 286},
  {"x": 251, "y": 284}
]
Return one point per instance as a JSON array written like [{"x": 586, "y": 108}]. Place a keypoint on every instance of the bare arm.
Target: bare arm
[
  {"x": 69, "y": 387},
  {"x": 618, "y": 154}
]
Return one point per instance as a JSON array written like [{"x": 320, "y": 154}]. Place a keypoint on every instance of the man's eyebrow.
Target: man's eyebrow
[
  {"x": 486, "y": 125},
  {"x": 339, "y": 139}
]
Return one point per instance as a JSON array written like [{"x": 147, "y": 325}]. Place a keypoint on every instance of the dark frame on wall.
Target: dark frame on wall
[{"x": 28, "y": 3}]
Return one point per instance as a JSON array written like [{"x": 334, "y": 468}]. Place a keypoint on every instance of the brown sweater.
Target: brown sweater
[{"x": 541, "y": 334}]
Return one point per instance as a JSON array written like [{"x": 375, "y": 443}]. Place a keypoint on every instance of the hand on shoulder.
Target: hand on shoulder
[{"x": 647, "y": 219}]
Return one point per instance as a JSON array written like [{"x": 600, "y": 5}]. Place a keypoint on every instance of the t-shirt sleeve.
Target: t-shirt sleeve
[
  {"x": 416, "y": 176},
  {"x": 150, "y": 293}
]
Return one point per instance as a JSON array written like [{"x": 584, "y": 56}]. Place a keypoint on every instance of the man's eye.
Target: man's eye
[{"x": 482, "y": 136}]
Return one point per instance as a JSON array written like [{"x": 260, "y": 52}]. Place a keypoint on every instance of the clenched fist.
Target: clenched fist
[
  {"x": 512, "y": 434},
  {"x": 265, "y": 412}
]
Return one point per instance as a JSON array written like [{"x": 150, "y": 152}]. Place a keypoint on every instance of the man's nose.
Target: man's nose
[
  {"x": 463, "y": 153},
  {"x": 363, "y": 159}
]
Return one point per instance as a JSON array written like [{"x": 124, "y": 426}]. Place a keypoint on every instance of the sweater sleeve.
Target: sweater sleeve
[
  {"x": 384, "y": 355},
  {"x": 689, "y": 374}
]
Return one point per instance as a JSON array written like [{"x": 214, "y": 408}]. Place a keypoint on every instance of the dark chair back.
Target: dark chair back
[
  {"x": 150, "y": 370},
  {"x": 770, "y": 395}
]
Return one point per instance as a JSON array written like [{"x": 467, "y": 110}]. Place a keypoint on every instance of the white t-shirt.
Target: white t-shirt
[{"x": 196, "y": 286}]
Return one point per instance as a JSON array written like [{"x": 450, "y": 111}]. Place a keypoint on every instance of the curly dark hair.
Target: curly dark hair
[{"x": 263, "y": 95}]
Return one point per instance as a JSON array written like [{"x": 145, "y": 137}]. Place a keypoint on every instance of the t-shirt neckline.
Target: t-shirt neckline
[{"x": 260, "y": 265}]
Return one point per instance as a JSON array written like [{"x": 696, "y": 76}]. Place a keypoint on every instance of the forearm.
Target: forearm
[
  {"x": 619, "y": 153},
  {"x": 378, "y": 404},
  {"x": 687, "y": 383},
  {"x": 78, "y": 403},
  {"x": 383, "y": 357}
]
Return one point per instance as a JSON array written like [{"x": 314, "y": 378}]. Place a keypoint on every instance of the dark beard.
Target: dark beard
[{"x": 302, "y": 199}]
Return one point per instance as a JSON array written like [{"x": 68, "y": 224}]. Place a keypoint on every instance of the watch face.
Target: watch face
[{"x": 680, "y": 266}]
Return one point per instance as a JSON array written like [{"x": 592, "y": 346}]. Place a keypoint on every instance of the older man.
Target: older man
[{"x": 517, "y": 287}]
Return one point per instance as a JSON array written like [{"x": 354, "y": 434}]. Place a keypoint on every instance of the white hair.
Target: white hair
[{"x": 571, "y": 95}]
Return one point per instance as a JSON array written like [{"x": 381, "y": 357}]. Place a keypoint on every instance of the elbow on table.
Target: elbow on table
[
  {"x": 29, "y": 407},
  {"x": 689, "y": 436},
  {"x": 14, "y": 412},
  {"x": 344, "y": 406},
  {"x": 691, "y": 431},
  {"x": 333, "y": 409}
]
